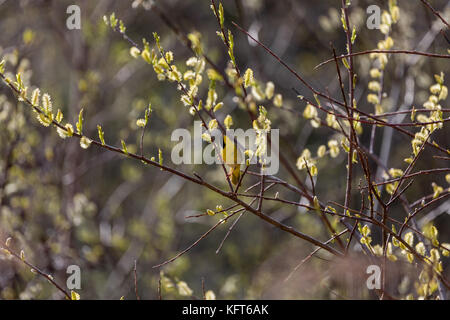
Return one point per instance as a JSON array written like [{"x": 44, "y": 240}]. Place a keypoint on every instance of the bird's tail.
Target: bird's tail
[{"x": 235, "y": 173}]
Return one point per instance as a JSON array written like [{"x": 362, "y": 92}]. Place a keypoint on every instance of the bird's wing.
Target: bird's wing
[{"x": 231, "y": 154}]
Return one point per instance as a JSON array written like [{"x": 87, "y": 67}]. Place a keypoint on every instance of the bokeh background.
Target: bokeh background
[{"x": 64, "y": 205}]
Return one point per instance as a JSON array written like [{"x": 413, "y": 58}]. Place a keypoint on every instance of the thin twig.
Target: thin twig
[
  {"x": 135, "y": 281},
  {"x": 412, "y": 52}
]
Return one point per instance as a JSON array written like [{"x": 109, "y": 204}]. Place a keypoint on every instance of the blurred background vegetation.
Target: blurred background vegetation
[{"x": 63, "y": 205}]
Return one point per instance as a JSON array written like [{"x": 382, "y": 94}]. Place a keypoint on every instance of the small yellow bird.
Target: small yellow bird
[{"x": 232, "y": 158}]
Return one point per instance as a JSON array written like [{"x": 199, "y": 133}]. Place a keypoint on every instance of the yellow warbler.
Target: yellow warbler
[{"x": 232, "y": 158}]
